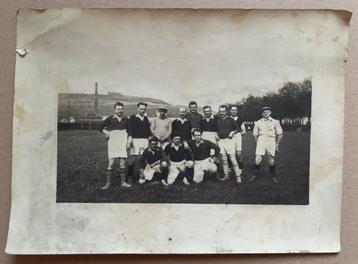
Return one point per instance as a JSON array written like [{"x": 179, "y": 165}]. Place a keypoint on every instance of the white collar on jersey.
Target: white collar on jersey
[
  {"x": 182, "y": 119},
  {"x": 119, "y": 118},
  {"x": 175, "y": 146},
  {"x": 140, "y": 117},
  {"x": 267, "y": 119}
]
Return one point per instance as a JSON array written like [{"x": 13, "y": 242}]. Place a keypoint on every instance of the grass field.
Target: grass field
[{"x": 82, "y": 160}]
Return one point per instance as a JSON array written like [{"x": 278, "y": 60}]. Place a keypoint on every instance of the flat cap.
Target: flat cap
[
  {"x": 163, "y": 108},
  {"x": 265, "y": 108}
]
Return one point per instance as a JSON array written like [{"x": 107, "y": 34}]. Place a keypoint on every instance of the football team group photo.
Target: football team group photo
[{"x": 118, "y": 148}]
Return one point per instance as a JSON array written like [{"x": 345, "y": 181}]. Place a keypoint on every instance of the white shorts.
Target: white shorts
[
  {"x": 200, "y": 167},
  {"x": 149, "y": 172},
  {"x": 211, "y": 136},
  {"x": 266, "y": 145},
  {"x": 238, "y": 141},
  {"x": 227, "y": 146},
  {"x": 117, "y": 144},
  {"x": 138, "y": 146},
  {"x": 176, "y": 167}
]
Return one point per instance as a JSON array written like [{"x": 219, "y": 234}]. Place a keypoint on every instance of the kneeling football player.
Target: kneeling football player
[
  {"x": 181, "y": 162},
  {"x": 204, "y": 155},
  {"x": 153, "y": 163}
]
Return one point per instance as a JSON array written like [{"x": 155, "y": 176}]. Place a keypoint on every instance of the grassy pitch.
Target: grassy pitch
[{"x": 82, "y": 160}]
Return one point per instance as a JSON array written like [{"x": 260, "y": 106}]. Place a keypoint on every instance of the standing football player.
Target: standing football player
[
  {"x": 227, "y": 128},
  {"x": 209, "y": 125},
  {"x": 238, "y": 136},
  {"x": 140, "y": 128},
  {"x": 162, "y": 127},
  {"x": 181, "y": 126},
  {"x": 193, "y": 115},
  {"x": 268, "y": 134},
  {"x": 117, "y": 129}
]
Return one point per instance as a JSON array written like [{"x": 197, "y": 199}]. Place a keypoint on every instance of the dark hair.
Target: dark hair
[
  {"x": 196, "y": 130},
  {"x": 176, "y": 135},
  {"x": 223, "y": 106},
  {"x": 237, "y": 107},
  {"x": 142, "y": 103},
  {"x": 207, "y": 106},
  {"x": 193, "y": 103},
  {"x": 153, "y": 138},
  {"x": 118, "y": 104}
]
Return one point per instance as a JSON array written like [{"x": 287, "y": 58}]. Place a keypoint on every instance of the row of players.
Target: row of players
[{"x": 191, "y": 145}]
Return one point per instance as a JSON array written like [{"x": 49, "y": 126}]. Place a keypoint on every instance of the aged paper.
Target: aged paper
[{"x": 73, "y": 64}]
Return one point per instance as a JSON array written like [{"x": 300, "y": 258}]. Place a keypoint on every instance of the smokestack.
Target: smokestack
[{"x": 96, "y": 98}]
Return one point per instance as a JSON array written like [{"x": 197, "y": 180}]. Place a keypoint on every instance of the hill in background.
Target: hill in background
[{"x": 83, "y": 105}]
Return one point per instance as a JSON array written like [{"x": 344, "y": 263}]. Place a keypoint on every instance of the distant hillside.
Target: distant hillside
[{"x": 82, "y": 105}]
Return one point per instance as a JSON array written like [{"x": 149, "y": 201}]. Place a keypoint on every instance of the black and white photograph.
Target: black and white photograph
[
  {"x": 191, "y": 122},
  {"x": 178, "y": 131},
  {"x": 116, "y": 147}
]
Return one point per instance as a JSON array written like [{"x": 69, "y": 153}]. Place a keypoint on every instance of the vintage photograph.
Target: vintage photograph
[
  {"x": 168, "y": 131},
  {"x": 160, "y": 119},
  {"x": 120, "y": 148}
]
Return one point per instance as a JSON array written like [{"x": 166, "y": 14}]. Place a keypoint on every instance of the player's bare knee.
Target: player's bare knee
[
  {"x": 170, "y": 180},
  {"x": 212, "y": 168},
  {"x": 258, "y": 160},
  {"x": 271, "y": 160},
  {"x": 189, "y": 164},
  {"x": 122, "y": 164},
  {"x": 197, "y": 180},
  {"x": 110, "y": 164}
]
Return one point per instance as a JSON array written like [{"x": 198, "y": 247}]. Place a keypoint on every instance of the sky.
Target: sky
[{"x": 210, "y": 56}]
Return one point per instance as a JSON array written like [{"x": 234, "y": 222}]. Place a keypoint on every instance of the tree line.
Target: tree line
[{"x": 291, "y": 104}]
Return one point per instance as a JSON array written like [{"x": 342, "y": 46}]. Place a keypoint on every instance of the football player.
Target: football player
[
  {"x": 118, "y": 131},
  {"x": 238, "y": 136},
  {"x": 161, "y": 127},
  {"x": 180, "y": 161},
  {"x": 153, "y": 163},
  {"x": 227, "y": 128},
  {"x": 268, "y": 134},
  {"x": 204, "y": 155}
]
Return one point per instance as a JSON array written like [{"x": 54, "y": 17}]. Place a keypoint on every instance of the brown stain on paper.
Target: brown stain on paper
[
  {"x": 239, "y": 16},
  {"x": 61, "y": 85},
  {"x": 335, "y": 39},
  {"x": 26, "y": 120},
  {"x": 344, "y": 15}
]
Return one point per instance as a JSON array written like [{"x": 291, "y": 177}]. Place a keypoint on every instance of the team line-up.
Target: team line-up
[{"x": 189, "y": 147}]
